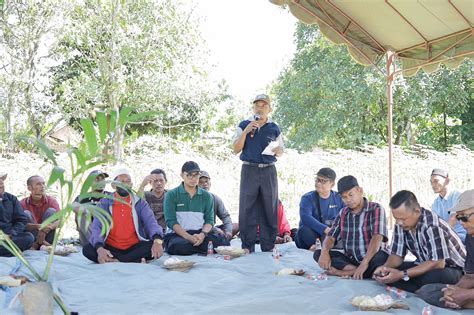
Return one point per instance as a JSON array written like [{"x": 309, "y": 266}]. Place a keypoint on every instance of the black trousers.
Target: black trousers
[
  {"x": 258, "y": 206},
  {"x": 23, "y": 240},
  {"x": 339, "y": 261},
  {"x": 134, "y": 253},
  {"x": 446, "y": 276},
  {"x": 176, "y": 245}
]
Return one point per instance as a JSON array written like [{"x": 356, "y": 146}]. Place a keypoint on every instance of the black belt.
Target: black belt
[{"x": 261, "y": 165}]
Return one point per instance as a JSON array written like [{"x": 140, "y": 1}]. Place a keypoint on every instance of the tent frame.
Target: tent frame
[{"x": 390, "y": 57}]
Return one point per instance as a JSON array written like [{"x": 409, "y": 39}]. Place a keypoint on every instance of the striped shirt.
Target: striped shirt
[
  {"x": 356, "y": 230},
  {"x": 433, "y": 239}
]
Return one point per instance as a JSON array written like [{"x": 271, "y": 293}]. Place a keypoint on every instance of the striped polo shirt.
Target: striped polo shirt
[{"x": 433, "y": 239}]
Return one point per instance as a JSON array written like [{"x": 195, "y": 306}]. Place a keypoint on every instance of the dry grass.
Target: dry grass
[{"x": 296, "y": 171}]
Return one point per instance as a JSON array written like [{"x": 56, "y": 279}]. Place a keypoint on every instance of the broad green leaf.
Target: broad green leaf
[
  {"x": 124, "y": 115},
  {"x": 90, "y": 135},
  {"x": 57, "y": 173},
  {"x": 101, "y": 120}
]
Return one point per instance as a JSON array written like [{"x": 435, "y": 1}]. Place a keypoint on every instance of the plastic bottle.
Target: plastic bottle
[
  {"x": 210, "y": 249},
  {"x": 276, "y": 252},
  {"x": 398, "y": 292},
  {"x": 318, "y": 244},
  {"x": 427, "y": 310}
]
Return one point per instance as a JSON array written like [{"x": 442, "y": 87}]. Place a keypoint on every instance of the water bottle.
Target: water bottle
[
  {"x": 398, "y": 292},
  {"x": 318, "y": 244},
  {"x": 210, "y": 249},
  {"x": 276, "y": 253},
  {"x": 427, "y": 310}
]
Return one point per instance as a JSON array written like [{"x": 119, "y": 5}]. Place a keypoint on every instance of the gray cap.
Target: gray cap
[
  {"x": 466, "y": 201},
  {"x": 439, "y": 172},
  {"x": 205, "y": 174},
  {"x": 262, "y": 97}
]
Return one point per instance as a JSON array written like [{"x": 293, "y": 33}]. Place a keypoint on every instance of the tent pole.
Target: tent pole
[{"x": 390, "y": 58}]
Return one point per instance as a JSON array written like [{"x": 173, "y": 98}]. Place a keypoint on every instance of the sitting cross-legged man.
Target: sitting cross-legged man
[
  {"x": 362, "y": 228},
  {"x": 189, "y": 215},
  {"x": 133, "y": 235},
  {"x": 13, "y": 220},
  {"x": 439, "y": 251},
  {"x": 39, "y": 207}
]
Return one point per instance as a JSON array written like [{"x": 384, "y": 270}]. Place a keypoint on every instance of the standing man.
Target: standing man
[
  {"x": 446, "y": 199},
  {"x": 39, "y": 207},
  {"x": 156, "y": 196},
  {"x": 219, "y": 208},
  {"x": 362, "y": 227},
  {"x": 189, "y": 215},
  {"x": 318, "y": 209},
  {"x": 133, "y": 235},
  {"x": 438, "y": 249},
  {"x": 259, "y": 141},
  {"x": 13, "y": 220}
]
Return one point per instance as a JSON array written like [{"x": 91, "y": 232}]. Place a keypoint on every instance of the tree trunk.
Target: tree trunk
[
  {"x": 9, "y": 119},
  {"x": 445, "y": 130}
]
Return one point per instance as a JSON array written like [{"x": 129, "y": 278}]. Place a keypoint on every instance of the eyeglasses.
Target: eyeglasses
[
  {"x": 464, "y": 218},
  {"x": 321, "y": 180},
  {"x": 193, "y": 175}
]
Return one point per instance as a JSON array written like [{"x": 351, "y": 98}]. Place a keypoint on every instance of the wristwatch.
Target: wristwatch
[
  {"x": 158, "y": 241},
  {"x": 405, "y": 275}
]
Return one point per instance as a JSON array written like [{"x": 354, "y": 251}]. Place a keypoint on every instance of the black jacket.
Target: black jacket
[{"x": 12, "y": 217}]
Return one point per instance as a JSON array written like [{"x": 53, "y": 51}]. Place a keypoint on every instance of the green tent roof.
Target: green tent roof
[{"x": 422, "y": 33}]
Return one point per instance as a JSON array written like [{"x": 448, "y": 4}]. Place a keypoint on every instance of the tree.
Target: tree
[
  {"x": 146, "y": 55},
  {"x": 24, "y": 26},
  {"x": 326, "y": 99}
]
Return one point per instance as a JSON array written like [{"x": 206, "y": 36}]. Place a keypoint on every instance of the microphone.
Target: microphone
[{"x": 256, "y": 117}]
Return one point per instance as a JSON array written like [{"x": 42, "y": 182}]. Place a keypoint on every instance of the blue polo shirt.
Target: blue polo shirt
[
  {"x": 330, "y": 208},
  {"x": 254, "y": 146},
  {"x": 442, "y": 206}
]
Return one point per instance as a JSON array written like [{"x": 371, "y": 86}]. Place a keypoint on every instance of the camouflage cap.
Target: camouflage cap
[{"x": 262, "y": 97}]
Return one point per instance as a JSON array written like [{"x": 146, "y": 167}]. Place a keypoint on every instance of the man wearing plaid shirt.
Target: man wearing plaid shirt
[
  {"x": 362, "y": 227},
  {"x": 439, "y": 251}
]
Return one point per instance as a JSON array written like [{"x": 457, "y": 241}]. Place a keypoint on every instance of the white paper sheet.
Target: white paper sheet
[{"x": 270, "y": 146}]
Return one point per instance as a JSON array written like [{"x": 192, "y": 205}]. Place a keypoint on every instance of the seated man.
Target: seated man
[
  {"x": 446, "y": 199},
  {"x": 39, "y": 207},
  {"x": 156, "y": 196},
  {"x": 226, "y": 228},
  {"x": 318, "y": 209},
  {"x": 133, "y": 235},
  {"x": 362, "y": 227},
  {"x": 189, "y": 215},
  {"x": 84, "y": 227},
  {"x": 438, "y": 249},
  {"x": 460, "y": 295},
  {"x": 13, "y": 220}
]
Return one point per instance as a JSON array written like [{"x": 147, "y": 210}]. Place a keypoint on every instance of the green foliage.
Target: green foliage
[
  {"x": 73, "y": 180},
  {"x": 326, "y": 99}
]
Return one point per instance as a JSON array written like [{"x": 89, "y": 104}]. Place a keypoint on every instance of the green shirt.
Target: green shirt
[{"x": 190, "y": 213}]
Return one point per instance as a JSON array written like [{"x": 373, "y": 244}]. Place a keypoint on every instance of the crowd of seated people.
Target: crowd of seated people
[{"x": 352, "y": 230}]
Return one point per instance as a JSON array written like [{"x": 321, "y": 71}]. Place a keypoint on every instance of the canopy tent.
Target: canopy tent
[{"x": 422, "y": 34}]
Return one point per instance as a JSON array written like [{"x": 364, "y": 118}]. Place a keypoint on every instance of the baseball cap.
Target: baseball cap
[
  {"x": 439, "y": 172},
  {"x": 466, "y": 201},
  {"x": 262, "y": 97},
  {"x": 327, "y": 172},
  {"x": 98, "y": 172},
  {"x": 205, "y": 174},
  {"x": 346, "y": 183},
  {"x": 190, "y": 167}
]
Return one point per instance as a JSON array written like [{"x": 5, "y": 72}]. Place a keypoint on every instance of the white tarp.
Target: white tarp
[{"x": 245, "y": 285}]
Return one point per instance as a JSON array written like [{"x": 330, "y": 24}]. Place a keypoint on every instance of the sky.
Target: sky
[{"x": 250, "y": 42}]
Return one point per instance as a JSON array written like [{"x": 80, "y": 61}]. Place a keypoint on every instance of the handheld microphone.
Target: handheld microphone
[{"x": 256, "y": 117}]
